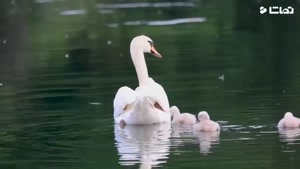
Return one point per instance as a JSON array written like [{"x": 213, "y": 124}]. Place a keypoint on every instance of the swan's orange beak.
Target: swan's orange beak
[{"x": 154, "y": 52}]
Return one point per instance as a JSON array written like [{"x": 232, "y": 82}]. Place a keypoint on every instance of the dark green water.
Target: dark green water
[{"x": 61, "y": 63}]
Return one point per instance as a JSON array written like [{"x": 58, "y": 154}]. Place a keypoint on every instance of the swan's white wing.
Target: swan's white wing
[
  {"x": 123, "y": 97},
  {"x": 157, "y": 92}
]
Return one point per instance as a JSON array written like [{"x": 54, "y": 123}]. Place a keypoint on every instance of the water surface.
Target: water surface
[{"x": 63, "y": 61}]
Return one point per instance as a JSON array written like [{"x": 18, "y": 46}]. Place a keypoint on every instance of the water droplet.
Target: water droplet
[
  {"x": 1, "y": 84},
  {"x": 95, "y": 103},
  {"x": 283, "y": 91},
  {"x": 67, "y": 55},
  {"x": 278, "y": 104},
  {"x": 109, "y": 42},
  {"x": 222, "y": 77},
  {"x": 4, "y": 41}
]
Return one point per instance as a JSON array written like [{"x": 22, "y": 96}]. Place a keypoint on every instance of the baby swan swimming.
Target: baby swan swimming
[
  {"x": 183, "y": 118},
  {"x": 205, "y": 124},
  {"x": 289, "y": 121}
]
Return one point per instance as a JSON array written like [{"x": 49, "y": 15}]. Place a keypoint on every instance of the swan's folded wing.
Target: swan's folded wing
[
  {"x": 123, "y": 97},
  {"x": 163, "y": 98}
]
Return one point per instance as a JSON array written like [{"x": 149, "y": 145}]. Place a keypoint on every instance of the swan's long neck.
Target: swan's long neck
[{"x": 139, "y": 62}]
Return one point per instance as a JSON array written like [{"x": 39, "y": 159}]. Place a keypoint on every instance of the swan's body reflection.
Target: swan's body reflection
[
  {"x": 148, "y": 145},
  {"x": 207, "y": 140},
  {"x": 183, "y": 135},
  {"x": 289, "y": 134},
  {"x": 182, "y": 131}
]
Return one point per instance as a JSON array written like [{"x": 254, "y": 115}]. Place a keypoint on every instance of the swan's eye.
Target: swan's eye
[{"x": 151, "y": 43}]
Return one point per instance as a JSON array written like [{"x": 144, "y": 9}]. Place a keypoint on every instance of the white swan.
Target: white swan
[{"x": 148, "y": 103}]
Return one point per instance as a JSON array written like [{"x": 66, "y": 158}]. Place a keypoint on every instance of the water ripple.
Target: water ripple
[
  {"x": 73, "y": 12},
  {"x": 43, "y": 1},
  {"x": 162, "y": 22},
  {"x": 105, "y": 11}
]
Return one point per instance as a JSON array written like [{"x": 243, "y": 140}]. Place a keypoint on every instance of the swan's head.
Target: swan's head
[
  {"x": 174, "y": 111},
  {"x": 288, "y": 115},
  {"x": 144, "y": 44},
  {"x": 203, "y": 115}
]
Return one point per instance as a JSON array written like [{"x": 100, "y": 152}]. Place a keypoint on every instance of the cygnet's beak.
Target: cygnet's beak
[{"x": 154, "y": 52}]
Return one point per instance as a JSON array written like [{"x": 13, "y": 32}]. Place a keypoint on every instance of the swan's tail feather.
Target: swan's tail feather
[
  {"x": 154, "y": 101},
  {"x": 151, "y": 101}
]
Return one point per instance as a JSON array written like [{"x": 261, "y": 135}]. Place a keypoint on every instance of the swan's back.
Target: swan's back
[
  {"x": 289, "y": 123},
  {"x": 189, "y": 118},
  {"x": 155, "y": 90},
  {"x": 184, "y": 119},
  {"x": 207, "y": 125}
]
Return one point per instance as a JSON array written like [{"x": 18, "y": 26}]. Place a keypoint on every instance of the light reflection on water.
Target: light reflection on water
[
  {"x": 290, "y": 135},
  {"x": 161, "y": 23},
  {"x": 73, "y": 12},
  {"x": 145, "y": 5},
  {"x": 207, "y": 140},
  {"x": 136, "y": 143},
  {"x": 44, "y": 1}
]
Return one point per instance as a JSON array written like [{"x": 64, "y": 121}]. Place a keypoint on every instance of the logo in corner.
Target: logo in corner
[{"x": 263, "y": 10}]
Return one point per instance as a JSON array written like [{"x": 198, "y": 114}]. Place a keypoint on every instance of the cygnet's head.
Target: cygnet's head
[
  {"x": 174, "y": 111},
  {"x": 288, "y": 115},
  {"x": 203, "y": 115},
  {"x": 144, "y": 44}
]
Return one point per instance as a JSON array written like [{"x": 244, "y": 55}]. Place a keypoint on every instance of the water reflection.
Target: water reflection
[
  {"x": 145, "y": 5},
  {"x": 44, "y": 1},
  {"x": 182, "y": 130},
  {"x": 289, "y": 135},
  {"x": 147, "y": 145},
  {"x": 207, "y": 140},
  {"x": 182, "y": 134},
  {"x": 73, "y": 12},
  {"x": 161, "y": 22},
  {"x": 41, "y": 87}
]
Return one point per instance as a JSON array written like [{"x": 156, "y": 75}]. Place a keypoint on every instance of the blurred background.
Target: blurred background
[{"x": 62, "y": 61}]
